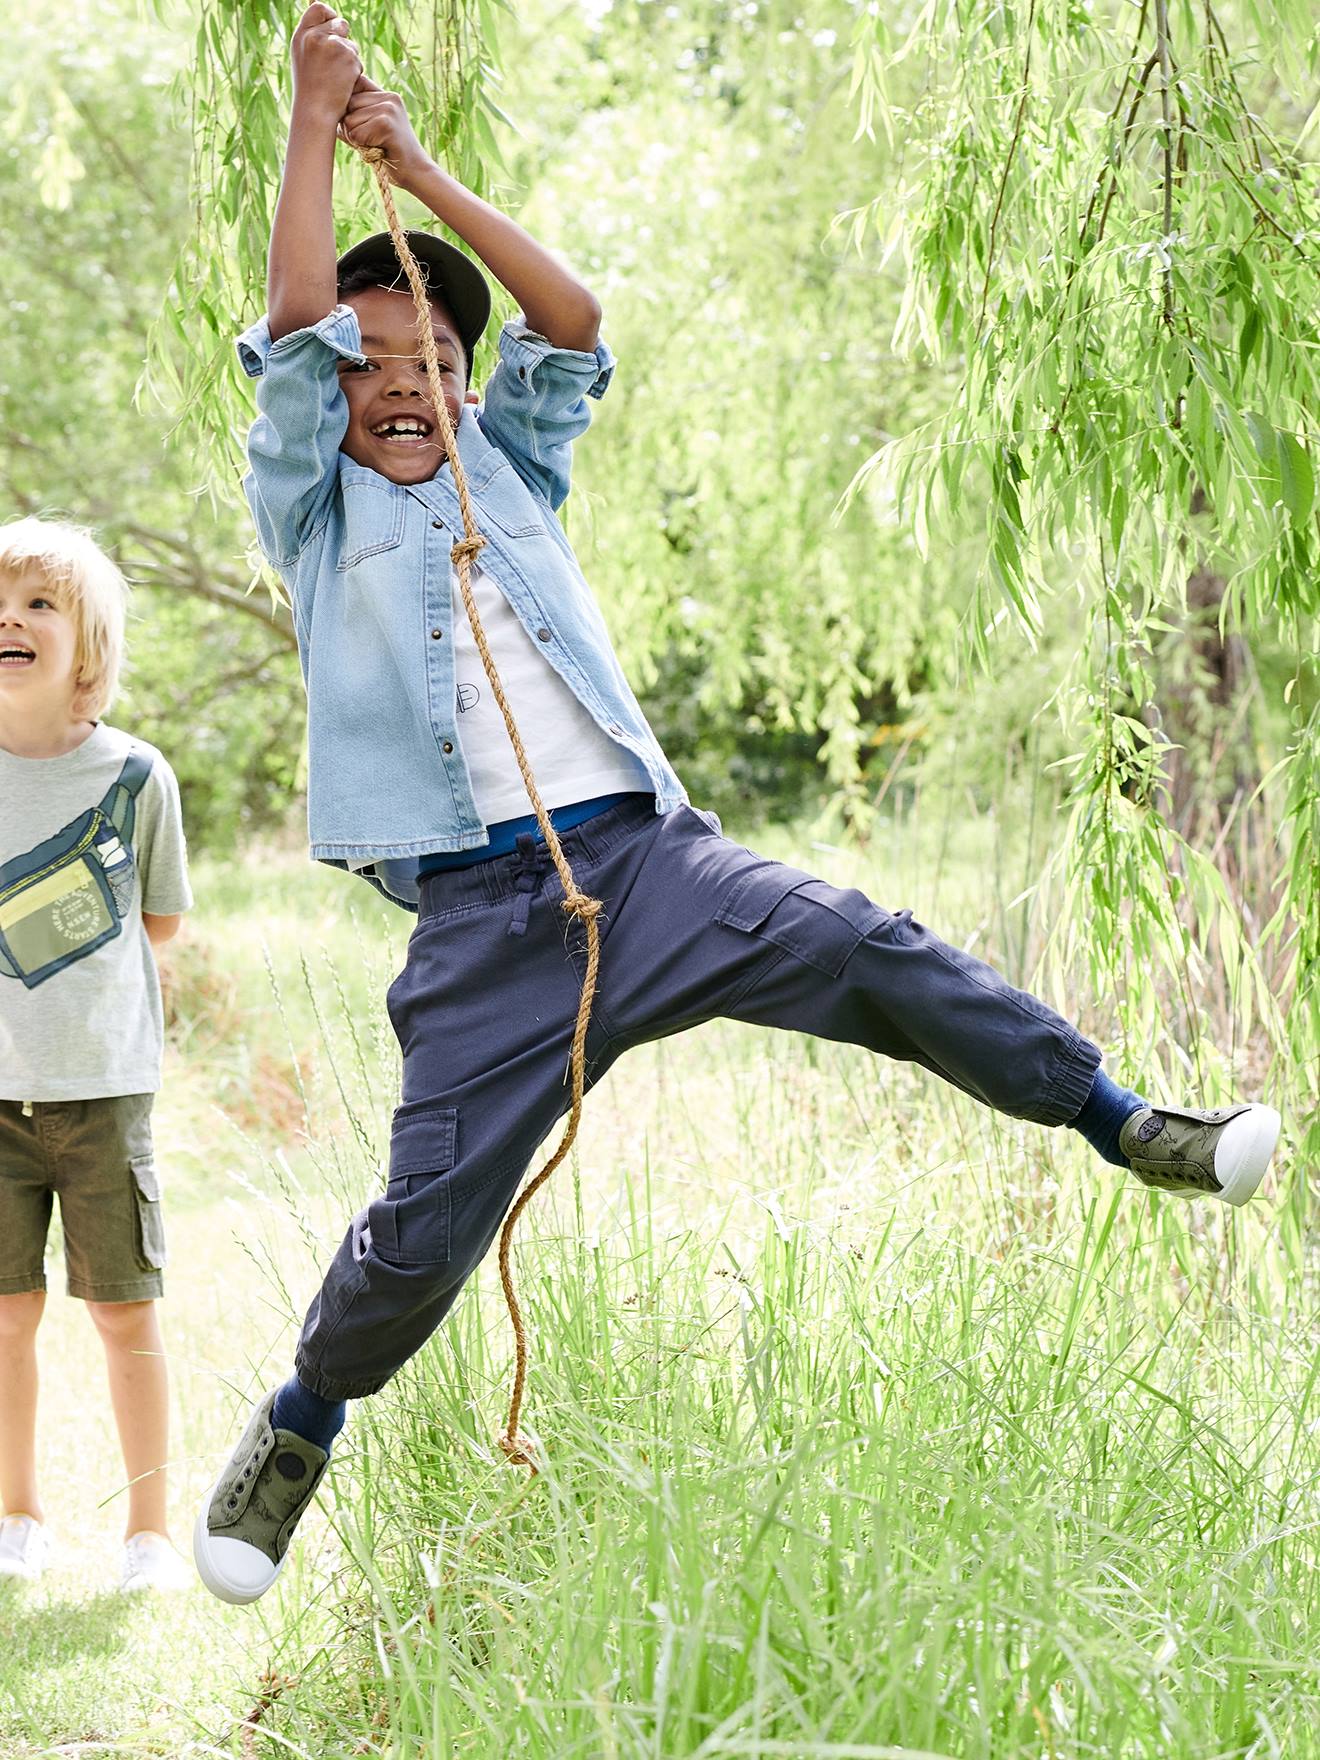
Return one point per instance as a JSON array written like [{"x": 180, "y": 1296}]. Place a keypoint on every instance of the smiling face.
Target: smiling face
[
  {"x": 392, "y": 426},
  {"x": 38, "y": 646}
]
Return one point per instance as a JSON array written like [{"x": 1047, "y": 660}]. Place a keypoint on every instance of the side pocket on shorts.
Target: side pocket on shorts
[
  {"x": 150, "y": 1231},
  {"x": 409, "y": 1224}
]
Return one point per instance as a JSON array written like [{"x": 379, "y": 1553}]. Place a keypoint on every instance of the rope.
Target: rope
[{"x": 576, "y": 903}]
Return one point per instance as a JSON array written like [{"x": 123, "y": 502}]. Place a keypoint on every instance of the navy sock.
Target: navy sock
[
  {"x": 315, "y": 1419},
  {"x": 1104, "y": 1112}
]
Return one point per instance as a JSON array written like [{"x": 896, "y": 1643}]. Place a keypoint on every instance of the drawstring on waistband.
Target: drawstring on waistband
[{"x": 533, "y": 864}]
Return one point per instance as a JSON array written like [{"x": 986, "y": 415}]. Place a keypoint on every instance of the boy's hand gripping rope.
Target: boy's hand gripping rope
[{"x": 576, "y": 903}]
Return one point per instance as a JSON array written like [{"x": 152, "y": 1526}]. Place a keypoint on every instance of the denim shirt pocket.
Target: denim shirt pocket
[
  {"x": 373, "y": 521},
  {"x": 506, "y": 499}
]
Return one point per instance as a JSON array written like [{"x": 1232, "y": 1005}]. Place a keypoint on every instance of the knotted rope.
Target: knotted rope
[{"x": 576, "y": 903}]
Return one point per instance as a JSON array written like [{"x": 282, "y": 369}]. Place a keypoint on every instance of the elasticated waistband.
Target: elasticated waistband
[{"x": 491, "y": 881}]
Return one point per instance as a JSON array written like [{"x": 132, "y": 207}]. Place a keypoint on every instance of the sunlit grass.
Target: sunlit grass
[
  {"x": 870, "y": 1423},
  {"x": 847, "y": 1453}
]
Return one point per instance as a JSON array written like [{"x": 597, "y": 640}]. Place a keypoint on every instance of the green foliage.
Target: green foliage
[
  {"x": 235, "y": 93},
  {"x": 92, "y": 206},
  {"x": 981, "y": 304},
  {"x": 693, "y": 163},
  {"x": 232, "y": 730},
  {"x": 1183, "y": 933},
  {"x": 1113, "y": 245},
  {"x": 86, "y": 257},
  {"x": 1129, "y": 328}
]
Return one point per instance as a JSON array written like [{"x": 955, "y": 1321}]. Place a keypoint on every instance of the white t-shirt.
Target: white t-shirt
[
  {"x": 94, "y": 1027},
  {"x": 571, "y": 758}
]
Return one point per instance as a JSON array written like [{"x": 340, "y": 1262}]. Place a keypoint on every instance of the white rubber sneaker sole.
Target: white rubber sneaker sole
[
  {"x": 1243, "y": 1153},
  {"x": 152, "y": 1566},
  {"x": 28, "y": 1565},
  {"x": 231, "y": 1569}
]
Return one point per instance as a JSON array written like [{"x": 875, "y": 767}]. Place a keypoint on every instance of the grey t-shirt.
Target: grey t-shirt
[{"x": 94, "y": 1027}]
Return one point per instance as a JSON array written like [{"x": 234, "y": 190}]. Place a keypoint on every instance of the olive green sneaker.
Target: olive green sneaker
[
  {"x": 1222, "y": 1153},
  {"x": 241, "y": 1538}
]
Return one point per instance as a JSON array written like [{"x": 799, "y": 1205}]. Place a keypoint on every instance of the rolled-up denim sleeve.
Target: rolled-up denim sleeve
[
  {"x": 293, "y": 446},
  {"x": 536, "y": 406}
]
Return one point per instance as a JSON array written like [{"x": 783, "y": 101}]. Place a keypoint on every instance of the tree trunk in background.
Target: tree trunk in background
[{"x": 1204, "y": 709}]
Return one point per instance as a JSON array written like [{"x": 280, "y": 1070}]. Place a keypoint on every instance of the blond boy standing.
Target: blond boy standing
[{"x": 93, "y": 876}]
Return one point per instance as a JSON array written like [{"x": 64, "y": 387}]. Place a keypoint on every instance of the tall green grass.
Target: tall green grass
[
  {"x": 867, "y": 1481},
  {"x": 870, "y": 1424}
]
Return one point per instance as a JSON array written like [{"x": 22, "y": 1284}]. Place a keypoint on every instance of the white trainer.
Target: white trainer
[
  {"x": 24, "y": 1545},
  {"x": 151, "y": 1565}
]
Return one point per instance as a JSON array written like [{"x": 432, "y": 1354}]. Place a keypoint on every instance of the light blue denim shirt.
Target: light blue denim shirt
[{"x": 367, "y": 565}]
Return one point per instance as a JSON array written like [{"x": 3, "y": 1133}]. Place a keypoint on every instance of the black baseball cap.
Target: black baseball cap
[{"x": 450, "y": 277}]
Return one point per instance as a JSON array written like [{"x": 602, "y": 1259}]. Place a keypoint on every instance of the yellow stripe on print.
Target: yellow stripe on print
[{"x": 57, "y": 885}]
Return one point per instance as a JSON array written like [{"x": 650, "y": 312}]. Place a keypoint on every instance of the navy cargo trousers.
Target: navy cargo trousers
[{"x": 693, "y": 927}]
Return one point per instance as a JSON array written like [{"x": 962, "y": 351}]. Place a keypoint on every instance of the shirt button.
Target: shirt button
[
  {"x": 437, "y": 525},
  {"x": 543, "y": 635},
  {"x": 436, "y": 634},
  {"x": 615, "y": 728},
  {"x": 447, "y": 747}
]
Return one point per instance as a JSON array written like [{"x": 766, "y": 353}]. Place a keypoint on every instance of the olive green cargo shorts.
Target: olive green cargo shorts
[{"x": 96, "y": 1156}]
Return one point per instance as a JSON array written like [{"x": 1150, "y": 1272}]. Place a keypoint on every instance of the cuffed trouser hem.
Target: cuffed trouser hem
[
  {"x": 328, "y": 1388},
  {"x": 148, "y": 1288},
  {"x": 34, "y": 1283},
  {"x": 1079, "y": 1059}
]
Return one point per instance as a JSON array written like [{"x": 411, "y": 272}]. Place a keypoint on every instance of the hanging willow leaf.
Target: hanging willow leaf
[
  {"x": 1250, "y": 335},
  {"x": 1296, "y": 477}
]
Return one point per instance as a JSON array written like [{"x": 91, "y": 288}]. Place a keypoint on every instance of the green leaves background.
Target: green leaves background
[{"x": 964, "y": 437}]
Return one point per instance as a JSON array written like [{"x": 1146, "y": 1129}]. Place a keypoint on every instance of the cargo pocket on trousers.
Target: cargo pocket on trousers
[
  {"x": 150, "y": 1225},
  {"x": 817, "y": 923},
  {"x": 409, "y": 1223}
]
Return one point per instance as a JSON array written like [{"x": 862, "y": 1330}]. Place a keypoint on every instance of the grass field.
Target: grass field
[{"x": 872, "y": 1424}]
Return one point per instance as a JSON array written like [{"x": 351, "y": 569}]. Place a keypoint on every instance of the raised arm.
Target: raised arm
[
  {"x": 555, "y": 303},
  {"x": 300, "y": 276}
]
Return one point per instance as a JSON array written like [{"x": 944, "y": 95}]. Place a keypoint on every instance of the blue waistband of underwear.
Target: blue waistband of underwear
[{"x": 504, "y": 836}]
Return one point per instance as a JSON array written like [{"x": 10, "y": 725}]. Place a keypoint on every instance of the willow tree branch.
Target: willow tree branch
[
  {"x": 1217, "y": 30},
  {"x": 211, "y": 690},
  {"x": 108, "y": 142},
  {"x": 1111, "y": 170},
  {"x": 169, "y": 559},
  {"x": 1166, "y": 111},
  {"x": 1129, "y": 124},
  {"x": 1008, "y": 166},
  {"x": 1255, "y": 202}
]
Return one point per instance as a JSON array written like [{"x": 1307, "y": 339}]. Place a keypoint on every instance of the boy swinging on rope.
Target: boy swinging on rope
[{"x": 415, "y": 784}]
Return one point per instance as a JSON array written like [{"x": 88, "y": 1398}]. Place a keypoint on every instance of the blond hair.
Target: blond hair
[{"x": 91, "y": 590}]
